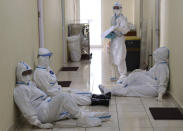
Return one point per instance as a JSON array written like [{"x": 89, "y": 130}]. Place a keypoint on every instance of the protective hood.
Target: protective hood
[
  {"x": 161, "y": 55},
  {"x": 117, "y": 4},
  {"x": 21, "y": 68},
  {"x": 117, "y": 9},
  {"x": 44, "y": 57}
]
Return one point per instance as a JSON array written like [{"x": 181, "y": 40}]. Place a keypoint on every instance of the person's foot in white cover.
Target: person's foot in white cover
[
  {"x": 103, "y": 89},
  {"x": 92, "y": 119},
  {"x": 121, "y": 79}
]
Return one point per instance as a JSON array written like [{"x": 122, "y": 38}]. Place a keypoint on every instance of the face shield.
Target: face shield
[
  {"x": 44, "y": 57},
  {"x": 23, "y": 73},
  {"x": 117, "y": 8},
  {"x": 44, "y": 61},
  {"x": 27, "y": 76}
]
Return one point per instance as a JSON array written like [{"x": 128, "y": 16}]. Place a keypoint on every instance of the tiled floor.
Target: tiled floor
[{"x": 128, "y": 113}]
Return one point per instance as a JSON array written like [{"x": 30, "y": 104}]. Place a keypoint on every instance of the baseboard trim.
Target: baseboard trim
[
  {"x": 177, "y": 101},
  {"x": 11, "y": 128}
]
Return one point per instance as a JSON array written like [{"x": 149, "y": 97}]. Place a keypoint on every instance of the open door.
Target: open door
[{"x": 91, "y": 10}]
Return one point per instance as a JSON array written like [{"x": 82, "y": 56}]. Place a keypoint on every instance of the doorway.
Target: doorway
[{"x": 93, "y": 15}]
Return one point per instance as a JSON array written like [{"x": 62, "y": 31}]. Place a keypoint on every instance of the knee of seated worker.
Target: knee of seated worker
[{"x": 64, "y": 96}]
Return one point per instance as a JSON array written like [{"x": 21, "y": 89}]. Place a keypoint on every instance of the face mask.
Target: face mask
[
  {"x": 47, "y": 61},
  {"x": 44, "y": 61},
  {"x": 117, "y": 12},
  {"x": 27, "y": 78}
]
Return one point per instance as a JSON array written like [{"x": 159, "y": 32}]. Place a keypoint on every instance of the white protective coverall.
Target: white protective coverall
[
  {"x": 40, "y": 110},
  {"x": 150, "y": 83},
  {"x": 46, "y": 79},
  {"x": 118, "y": 47}
]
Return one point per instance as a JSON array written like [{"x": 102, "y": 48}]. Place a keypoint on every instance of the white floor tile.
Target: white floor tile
[
  {"x": 135, "y": 129},
  {"x": 111, "y": 108},
  {"x": 167, "y": 123},
  {"x": 102, "y": 129},
  {"x": 168, "y": 129},
  {"x": 133, "y": 115},
  {"x": 24, "y": 129},
  {"x": 41, "y": 129},
  {"x": 130, "y": 108},
  {"x": 69, "y": 129},
  {"x": 152, "y": 102},
  {"x": 128, "y": 100},
  {"x": 134, "y": 122}
]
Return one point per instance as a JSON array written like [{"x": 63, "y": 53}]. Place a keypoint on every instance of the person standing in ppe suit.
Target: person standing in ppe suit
[
  {"x": 40, "y": 110},
  {"x": 118, "y": 47},
  {"x": 150, "y": 83},
  {"x": 46, "y": 80}
]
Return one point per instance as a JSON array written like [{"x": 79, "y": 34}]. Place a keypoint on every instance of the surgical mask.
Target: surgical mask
[
  {"x": 27, "y": 78},
  {"x": 117, "y": 12}
]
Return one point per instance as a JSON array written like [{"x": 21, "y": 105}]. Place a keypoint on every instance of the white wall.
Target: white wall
[
  {"x": 53, "y": 31},
  {"x": 171, "y": 32},
  {"x": 128, "y": 9},
  {"x": 18, "y": 42},
  {"x": 137, "y": 16}
]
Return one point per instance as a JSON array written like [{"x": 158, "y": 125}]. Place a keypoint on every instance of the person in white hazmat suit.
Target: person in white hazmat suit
[
  {"x": 118, "y": 47},
  {"x": 150, "y": 83},
  {"x": 41, "y": 110},
  {"x": 46, "y": 80}
]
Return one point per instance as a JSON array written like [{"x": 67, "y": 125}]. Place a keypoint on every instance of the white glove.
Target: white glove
[
  {"x": 40, "y": 125},
  {"x": 46, "y": 126},
  {"x": 114, "y": 27},
  {"x": 159, "y": 98}
]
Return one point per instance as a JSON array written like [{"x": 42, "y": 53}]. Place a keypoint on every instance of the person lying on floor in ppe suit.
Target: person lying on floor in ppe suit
[
  {"x": 118, "y": 47},
  {"x": 46, "y": 80},
  {"x": 41, "y": 110},
  {"x": 150, "y": 83}
]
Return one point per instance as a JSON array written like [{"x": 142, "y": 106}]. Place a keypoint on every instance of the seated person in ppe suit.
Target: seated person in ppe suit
[
  {"x": 118, "y": 47},
  {"x": 40, "y": 110},
  {"x": 46, "y": 80},
  {"x": 150, "y": 83}
]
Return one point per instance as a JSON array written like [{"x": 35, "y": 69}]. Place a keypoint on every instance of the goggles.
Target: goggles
[
  {"x": 116, "y": 7},
  {"x": 27, "y": 72}
]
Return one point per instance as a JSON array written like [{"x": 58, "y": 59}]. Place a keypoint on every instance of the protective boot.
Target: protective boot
[
  {"x": 103, "y": 96},
  {"x": 95, "y": 101}
]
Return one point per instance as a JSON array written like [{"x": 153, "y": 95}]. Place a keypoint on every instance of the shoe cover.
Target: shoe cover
[
  {"x": 86, "y": 121},
  {"x": 103, "y": 116},
  {"x": 101, "y": 88},
  {"x": 121, "y": 79},
  {"x": 46, "y": 126},
  {"x": 114, "y": 79}
]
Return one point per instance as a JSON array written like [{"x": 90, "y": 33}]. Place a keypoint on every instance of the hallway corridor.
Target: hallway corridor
[{"x": 128, "y": 113}]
